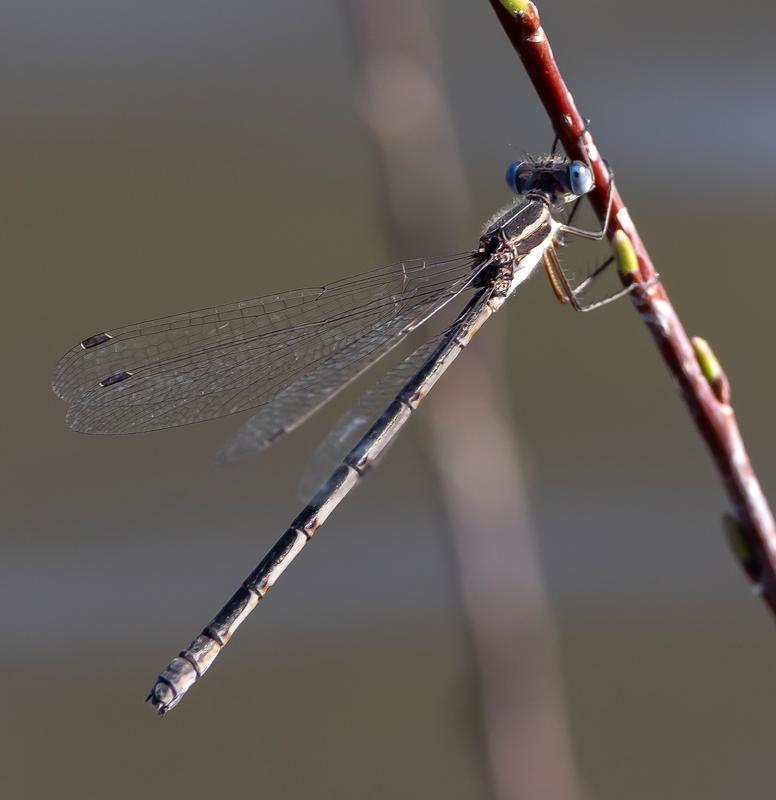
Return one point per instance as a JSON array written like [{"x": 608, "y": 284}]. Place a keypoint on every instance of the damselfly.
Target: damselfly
[{"x": 287, "y": 354}]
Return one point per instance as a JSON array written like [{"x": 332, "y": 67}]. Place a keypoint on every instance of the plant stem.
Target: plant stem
[{"x": 709, "y": 407}]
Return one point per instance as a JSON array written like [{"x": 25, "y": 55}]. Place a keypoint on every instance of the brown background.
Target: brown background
[{"x": 164, "y": 156}]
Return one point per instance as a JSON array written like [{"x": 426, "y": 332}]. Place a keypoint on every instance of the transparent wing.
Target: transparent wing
[
  {"x": 302, "y": 398},
  {"x": 213, "y": 362},
  {"x": 355, "y": 422}
]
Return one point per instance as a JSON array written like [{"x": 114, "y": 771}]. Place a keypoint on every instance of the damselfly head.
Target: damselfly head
[{"x": 555, "y": 180}]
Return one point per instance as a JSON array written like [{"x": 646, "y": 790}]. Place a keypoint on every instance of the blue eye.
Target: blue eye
[
  {"x": 580, "y": 178},
  {"x": 512, "y": 176}
]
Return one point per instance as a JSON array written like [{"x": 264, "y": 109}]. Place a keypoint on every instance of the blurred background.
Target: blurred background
[{"x": 164, "y": 156}]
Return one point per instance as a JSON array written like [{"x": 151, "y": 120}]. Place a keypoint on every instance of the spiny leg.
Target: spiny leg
[
  {"x": 592, "y": 276},
  {"x": 553, "y": 150},
  {"x": 556, "y": 140},
  {"x": 558, "y": 280},
  {"x": 557, "y": 287},
  {"x": 561, "y": 283},
  {"x": 594, "y": 235},
  {"x": 585, "y": 234},
  {"x": 573, "y": 212},
  {"x": 604, "y": 301}
]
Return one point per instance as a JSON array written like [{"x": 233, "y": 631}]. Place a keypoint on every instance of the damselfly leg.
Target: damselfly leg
[{"x": 566, "y": 293}]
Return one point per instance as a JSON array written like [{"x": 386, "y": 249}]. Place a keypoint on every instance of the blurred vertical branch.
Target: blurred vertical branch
[{"x": 470, "y": 436}]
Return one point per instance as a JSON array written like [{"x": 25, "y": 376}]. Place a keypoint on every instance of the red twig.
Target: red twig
[{"x": 701, "y": 381}]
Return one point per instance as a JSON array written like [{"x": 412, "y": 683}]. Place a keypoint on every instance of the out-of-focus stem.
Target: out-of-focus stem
[{"x": 471, "y": 439}]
